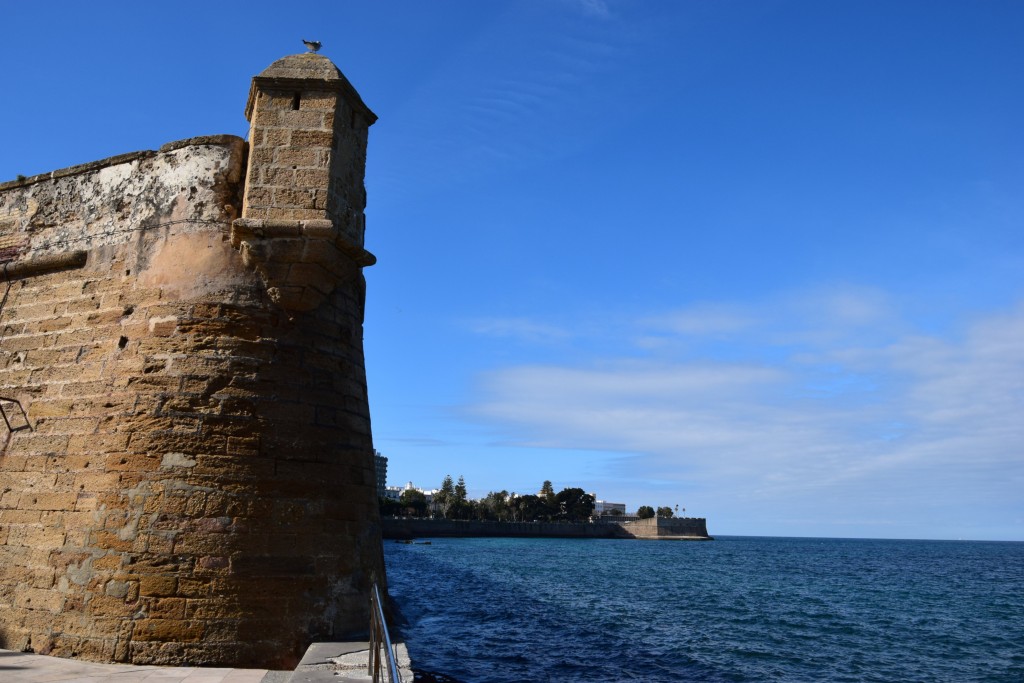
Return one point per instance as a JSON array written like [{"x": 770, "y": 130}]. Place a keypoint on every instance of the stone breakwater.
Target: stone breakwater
[{"x": 686, "y": 528}]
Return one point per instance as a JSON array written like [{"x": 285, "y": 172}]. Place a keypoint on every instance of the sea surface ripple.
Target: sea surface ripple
[{"x": 735, "y": 609}]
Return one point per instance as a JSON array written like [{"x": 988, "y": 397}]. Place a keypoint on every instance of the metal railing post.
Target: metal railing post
[{"x": 380, "y": 640}]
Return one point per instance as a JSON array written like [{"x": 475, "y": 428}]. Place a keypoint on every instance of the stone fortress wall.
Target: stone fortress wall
[
  {"x": 684, "y": 528},
  {"x": 188, "y": 474}
]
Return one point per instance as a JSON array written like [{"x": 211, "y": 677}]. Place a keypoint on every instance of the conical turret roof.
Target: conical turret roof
[
  {"x": 307, "y": 71},
  {"x": 303, "y": 66}
]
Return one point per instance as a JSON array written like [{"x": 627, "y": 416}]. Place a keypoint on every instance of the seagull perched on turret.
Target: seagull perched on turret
[{"x": 311, "y": 45}]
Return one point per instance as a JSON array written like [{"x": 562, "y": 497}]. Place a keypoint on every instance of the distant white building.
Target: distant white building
[
  {"x": 395, "y": 492},
  {"x": 603, "y": 506}
]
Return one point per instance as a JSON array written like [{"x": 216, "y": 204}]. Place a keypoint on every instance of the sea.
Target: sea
[{"x": 489, "y": 610}]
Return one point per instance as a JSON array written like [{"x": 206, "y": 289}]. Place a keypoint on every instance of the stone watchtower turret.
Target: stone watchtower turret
[
  {"x": 190, "y": 477},
  {"x": 307, "y": 159}
]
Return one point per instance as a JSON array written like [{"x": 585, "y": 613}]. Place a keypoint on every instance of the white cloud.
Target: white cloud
[
  {"x": 523, "y": 329},
  {"x": 704, "y": 320},
  {"x": 844, "y": 305},
  {"x": 846, "y": 421},
  {"x": 819, "y": 317},
  {"x": 594, "y": 8}
]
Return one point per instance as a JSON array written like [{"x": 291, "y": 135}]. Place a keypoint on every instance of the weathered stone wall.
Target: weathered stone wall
[{"x": 197, "y": 483}]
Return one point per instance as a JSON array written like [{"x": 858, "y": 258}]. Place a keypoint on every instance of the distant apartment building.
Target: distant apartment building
[
  {"x": 381, "y": 464},
  {"x": 602, "y": 507}
]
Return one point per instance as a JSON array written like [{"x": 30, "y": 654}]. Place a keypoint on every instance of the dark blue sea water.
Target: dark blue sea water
[{"x": 734, "y": 609}]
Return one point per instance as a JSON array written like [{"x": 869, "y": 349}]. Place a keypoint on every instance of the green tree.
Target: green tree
[
  {"x": 389, "y": 507},
  {"x": 529, "y": 508},
  {"x": 413, "y": 502},
  {"x": 645, "y": 512},
  {"x": 445, "y": 497},
  {"x": 496, "y": 505},
  {"x": 547, "y": 498},
  {"x": 457, "y": 503},
  {"x": 460, "y": 509},
  {"x": 665, "y": 512},
  {"x": 574, "y": 504}
]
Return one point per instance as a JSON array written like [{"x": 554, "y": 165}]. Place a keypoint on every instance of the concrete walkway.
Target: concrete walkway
[
  {"x": 334, "y": 662},
  {"x": 343, "y": 663},
  {"x": 21, "y": 667}
]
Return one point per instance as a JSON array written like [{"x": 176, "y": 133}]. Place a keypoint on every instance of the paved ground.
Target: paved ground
[
  {"x": 342, "y": 663},
  {"x": 19, "y": 667},
  {"x": 334, "y": 662}
]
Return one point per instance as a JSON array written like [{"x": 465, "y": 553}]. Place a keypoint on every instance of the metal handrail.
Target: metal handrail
[{"x": 380, "y": 640}]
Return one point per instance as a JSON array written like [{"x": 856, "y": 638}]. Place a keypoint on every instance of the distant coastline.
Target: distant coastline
[{"x": 675, "y": 529}]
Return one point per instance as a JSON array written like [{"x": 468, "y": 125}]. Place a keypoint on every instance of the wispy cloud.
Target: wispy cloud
[
  {"x": 841, "y": 416},
  {"x": 703, "y": 320},
  {"x": 593, "y": 8},
  {"x": 523, "y": 329},
  {"x": 519, "y": 92}
]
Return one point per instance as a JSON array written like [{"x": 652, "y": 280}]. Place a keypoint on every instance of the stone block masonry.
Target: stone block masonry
[{"x": 190, "y": 478}]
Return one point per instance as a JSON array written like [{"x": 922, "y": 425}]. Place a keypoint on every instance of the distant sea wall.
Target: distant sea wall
[
  {"x": 675, "y": 528},
  {"x": 687, "y": 528}
]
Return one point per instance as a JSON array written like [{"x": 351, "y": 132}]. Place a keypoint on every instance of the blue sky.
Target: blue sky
[{"x": 763, "y": 260}]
